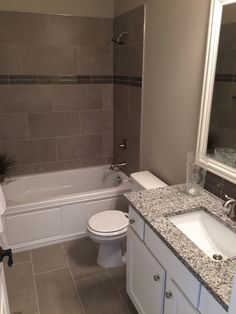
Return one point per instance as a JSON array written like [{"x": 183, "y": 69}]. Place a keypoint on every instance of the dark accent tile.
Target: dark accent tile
[
  {"x": 135, "y": 84},
  {"x": 213, "y": 190},
  {"x": 213, "y": 180},
  {"x": 4, "y": 80},
  {"x": 99, "y": 296}
]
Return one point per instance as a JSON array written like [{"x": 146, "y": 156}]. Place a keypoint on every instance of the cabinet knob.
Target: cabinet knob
[
  {"x": 156, "y": 277},
  {"x": 168, "y": 295},
  {"x": 131, "y": 221}
]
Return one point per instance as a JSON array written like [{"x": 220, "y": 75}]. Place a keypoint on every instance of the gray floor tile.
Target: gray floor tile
[
  {"x": 20, "y": 257},
  {"x": 57, "y": 294},
  {"x": 48, "y": 258},
  {"x": 128, "y": 302},
  {"x": 118, "y": 275},
  {"x": 99, "y": 296},
  {"x": 21, "y": 289},
  {"x": 82, "y": 256}
]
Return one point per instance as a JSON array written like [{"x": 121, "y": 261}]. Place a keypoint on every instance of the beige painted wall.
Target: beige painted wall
[
  {"x": 123, "y": 6},
  {"x": 93, "y": 8},
  {"x": 174, "y": 59}
]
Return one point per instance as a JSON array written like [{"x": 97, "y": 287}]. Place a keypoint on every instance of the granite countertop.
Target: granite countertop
[{"x": 154, "y": 206}]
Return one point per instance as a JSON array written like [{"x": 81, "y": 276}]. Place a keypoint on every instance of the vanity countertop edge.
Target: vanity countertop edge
[{"x": 155, "y": 205}]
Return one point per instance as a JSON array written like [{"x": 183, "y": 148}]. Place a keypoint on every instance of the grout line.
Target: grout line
[
  {"x": 35, "y": 288},
  {"x": 91, "y": 277},
  {"x": 74, "y": 283},
  {"x": 118, "y": 291},
  {"x": 50, "y": 271}
]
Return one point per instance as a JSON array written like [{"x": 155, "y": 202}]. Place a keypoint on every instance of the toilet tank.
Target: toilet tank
[{"x": 144, "y": 180}]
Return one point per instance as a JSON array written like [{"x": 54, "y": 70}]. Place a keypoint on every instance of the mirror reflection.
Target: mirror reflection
[{"x": 222, "y": 129}]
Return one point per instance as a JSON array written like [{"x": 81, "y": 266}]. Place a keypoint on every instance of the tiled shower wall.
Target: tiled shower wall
[
  {"x": 128, "y": 59},
  {"x": 56, "y": 91}
]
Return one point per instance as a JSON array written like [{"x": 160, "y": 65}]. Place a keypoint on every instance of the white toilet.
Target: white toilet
[{"x": 109, "y": 228}]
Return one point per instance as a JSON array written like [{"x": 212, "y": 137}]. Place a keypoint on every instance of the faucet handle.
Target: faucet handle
[{"x": 228, "y": 198}]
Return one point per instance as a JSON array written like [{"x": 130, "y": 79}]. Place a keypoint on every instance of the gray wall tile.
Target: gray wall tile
[
  {"x": 48, "y": 60},
  {"x": 25, "y": 98},
  {"x": 45, "y": 44},
  {"x": 10, "y": 62},
  {"x": 107, "y": 92},
  {"x": 53, "y": 124},
  {"x": 13, "y": 126},
  {"x": 31, "y": 151},
  {"x": 56, "y": 166},
  {"x": 96, "y": 121},
  {"x": 108, "y": 144},
  {"x": 94, "y": 60},
  {"x": 77, "y": 97},
  {"x": 95, "y": 161},
  {"x": 79, "y": 147}
]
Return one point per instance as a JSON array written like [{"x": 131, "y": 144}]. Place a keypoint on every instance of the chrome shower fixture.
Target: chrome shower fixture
[{"x": 119, "y": 38}]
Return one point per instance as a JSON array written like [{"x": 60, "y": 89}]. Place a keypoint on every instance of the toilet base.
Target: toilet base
[{"x": 110, "y": 255}]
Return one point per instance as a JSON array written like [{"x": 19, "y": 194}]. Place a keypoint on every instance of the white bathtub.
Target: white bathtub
[{"x": 52, "y": 207}]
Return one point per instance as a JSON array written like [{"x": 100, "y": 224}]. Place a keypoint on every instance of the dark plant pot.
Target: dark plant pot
[{"x": 2, "y": 178}]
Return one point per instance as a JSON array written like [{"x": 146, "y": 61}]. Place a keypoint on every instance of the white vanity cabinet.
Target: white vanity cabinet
[
  {"x": 157, "y": 282},
  {"x": 145, "y": 277},
  {"x": 175, "y": 300}
]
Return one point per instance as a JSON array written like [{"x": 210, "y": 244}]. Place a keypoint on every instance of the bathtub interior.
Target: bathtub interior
[{"x": 40, "y": 187}]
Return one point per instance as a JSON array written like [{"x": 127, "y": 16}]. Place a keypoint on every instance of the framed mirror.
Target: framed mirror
[{"x": 216, "y": 145}]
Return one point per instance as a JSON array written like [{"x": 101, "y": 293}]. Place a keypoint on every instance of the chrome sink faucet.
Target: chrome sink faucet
[
  {"x": 230, "y": 203},
  {"x": 118, "y": 165}
]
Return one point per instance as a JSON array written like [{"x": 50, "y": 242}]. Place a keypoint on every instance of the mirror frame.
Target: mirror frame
[{"x": 202, "y": 159}]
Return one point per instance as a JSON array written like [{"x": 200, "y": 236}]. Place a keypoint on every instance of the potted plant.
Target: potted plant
[{"x": 6, "y": 165}]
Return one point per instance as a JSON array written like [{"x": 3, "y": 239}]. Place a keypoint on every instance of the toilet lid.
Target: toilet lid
[{"x": 108, "y": 221}]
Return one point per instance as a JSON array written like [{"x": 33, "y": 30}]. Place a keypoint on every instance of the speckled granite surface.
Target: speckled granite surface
[{"x": 156, "y": 205}]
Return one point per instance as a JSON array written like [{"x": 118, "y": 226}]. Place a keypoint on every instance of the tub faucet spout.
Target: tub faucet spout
[{"x": 118, "y": 165}]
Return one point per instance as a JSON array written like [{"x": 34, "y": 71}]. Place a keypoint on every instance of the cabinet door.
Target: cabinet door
[
  {"x": 145, "y": 277},
  {"x": 176, "y": 302}
]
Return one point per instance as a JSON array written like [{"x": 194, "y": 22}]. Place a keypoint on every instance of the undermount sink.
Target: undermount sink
[{"x": 211, "y": 236}]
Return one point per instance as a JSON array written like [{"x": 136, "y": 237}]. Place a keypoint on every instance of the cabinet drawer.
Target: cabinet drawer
[
  {"x": 136, "y": 222},
  {"x": 175, "y": 269}
]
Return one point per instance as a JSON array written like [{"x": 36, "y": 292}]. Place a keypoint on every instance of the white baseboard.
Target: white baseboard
[{"x": 44, "y": 242}]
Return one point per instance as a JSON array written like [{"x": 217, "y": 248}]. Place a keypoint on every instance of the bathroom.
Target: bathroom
[{"x": 99, "y": 98}]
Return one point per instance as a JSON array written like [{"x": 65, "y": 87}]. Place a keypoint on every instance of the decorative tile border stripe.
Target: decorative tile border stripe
[
  {"x": 225, "y": 78},
  {"x": 54, "y": 79},
  {"x": 69, "y": 79},
  {"x": 128, "y": 80}
]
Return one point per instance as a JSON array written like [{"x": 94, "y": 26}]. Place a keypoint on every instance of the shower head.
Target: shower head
[{"x": 119, "y": 38}]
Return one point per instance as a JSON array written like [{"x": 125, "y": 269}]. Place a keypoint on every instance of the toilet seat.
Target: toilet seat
[{"x": 108, "y": 223}]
